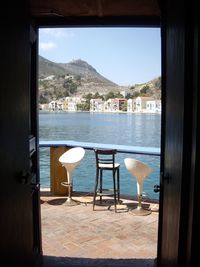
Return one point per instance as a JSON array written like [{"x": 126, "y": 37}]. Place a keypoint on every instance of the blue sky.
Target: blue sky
[{"x": 126, "y": 56}]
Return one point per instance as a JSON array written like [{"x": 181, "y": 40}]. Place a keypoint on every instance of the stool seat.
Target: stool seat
[
  {"x": 140, "y": 171},
  {"x": 70, "y": 160},
  {"x": 105, "y": 161}
]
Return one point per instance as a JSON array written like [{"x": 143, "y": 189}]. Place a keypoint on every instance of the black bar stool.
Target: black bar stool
[{"x": 105, "y": 161}]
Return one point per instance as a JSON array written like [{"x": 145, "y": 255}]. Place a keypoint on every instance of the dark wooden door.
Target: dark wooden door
[
  {"x": 177, "y": 130},
  {"x": 20, "y": 239}
]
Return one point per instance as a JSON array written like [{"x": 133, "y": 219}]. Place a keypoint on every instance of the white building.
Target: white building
[
  {"x": 53, "y": 105},
  {"x": 49, "y": 78},
  {"x": 69, "y": 77},
  {"x": 115, "y": 104},
  {"x": 72, "y": 103},
  {"x": 141, "y": 102},
  {"x": 97, "y": 105},
  {"x": 153, "y": 106},
  {"x": 56, "y": 105},
  {"x": 131, "y": 105}
]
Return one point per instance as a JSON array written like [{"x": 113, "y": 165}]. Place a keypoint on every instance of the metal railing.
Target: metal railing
[
  {"x": 154, "y": 151},
  {"x": 57, "y": 147}
]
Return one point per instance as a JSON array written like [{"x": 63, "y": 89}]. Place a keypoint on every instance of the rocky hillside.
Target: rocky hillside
[
  {"x": 57, "y": 80},
  {"x": 151, "y": 88},
  {"x": 76, "y": 68}
]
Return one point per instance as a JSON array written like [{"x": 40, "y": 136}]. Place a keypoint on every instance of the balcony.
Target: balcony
[{"x": 79, "y": 236}]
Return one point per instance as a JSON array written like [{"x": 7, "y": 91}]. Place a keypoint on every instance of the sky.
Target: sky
[{"x": 126, "y": 56}]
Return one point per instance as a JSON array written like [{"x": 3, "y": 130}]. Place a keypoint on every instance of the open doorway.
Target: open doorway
[{"x": 136, "y": 122}]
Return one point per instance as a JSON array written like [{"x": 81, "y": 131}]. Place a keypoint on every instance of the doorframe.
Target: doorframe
[
  {"x": 111, "y": 21},
  {"x": 34, "y": 130}
]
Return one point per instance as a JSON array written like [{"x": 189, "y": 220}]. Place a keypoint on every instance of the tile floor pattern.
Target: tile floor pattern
[{"x": 79, "y": 236}]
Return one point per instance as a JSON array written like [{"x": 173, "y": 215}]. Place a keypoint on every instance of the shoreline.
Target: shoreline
[{"x": 93, "y": 112}]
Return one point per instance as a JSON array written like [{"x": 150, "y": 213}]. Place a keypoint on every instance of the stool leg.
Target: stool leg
[{"x": 95, "y": 188}]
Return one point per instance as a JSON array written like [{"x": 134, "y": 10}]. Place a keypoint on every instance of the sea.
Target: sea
[{"x": 129, "y": 129}]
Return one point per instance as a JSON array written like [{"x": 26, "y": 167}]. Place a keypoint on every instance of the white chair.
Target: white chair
[
  {"x": 140, "y": 171},
  {"x": 70, "y": 160}
]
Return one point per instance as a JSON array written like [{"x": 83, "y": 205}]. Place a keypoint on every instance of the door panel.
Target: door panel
[
  {"x": 17, "y": 217},
  {"x": 176, "y": 133},
  {"x": 173, "y": 144}
]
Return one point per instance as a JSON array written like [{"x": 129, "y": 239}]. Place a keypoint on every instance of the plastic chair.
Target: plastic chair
[
  {"x": 105, "y": 161},
  {"x": 70, "y": 160},
  {"x": 140, "y": 171}
]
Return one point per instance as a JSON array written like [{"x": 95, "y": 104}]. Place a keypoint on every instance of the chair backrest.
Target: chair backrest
[{"x": 105, "y": 156}]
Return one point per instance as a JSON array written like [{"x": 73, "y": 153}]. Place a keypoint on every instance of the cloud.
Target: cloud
[
  {"x": 47, "y": 46},
  {"x": 57, "y": 33}
]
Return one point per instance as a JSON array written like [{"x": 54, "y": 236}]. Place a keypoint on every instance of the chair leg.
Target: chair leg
[
  {"x": 118, "y": 185},
  {"x": 95, "y": 188},
  {"x": 114, "y": 191},
  {"x": 101, "y": 175}
]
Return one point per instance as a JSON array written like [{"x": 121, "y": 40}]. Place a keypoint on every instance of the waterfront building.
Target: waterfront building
[
  {"x": 97, "y": 105},
  {"x": 131, "y": 105},
  {"x": 153, "y": 106},
  {"x": 53, "y": 105},
  {"x": 115, "y": 104},
  {"x": 72, "y": 102},
  {"x": 141, "y": 102},
  {"x": 56, "y": 105}
]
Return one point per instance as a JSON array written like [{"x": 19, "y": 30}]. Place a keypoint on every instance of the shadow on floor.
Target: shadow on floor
[{"x": 52, "y": 261}]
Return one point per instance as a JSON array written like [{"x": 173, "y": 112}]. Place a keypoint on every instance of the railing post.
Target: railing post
[{"x": 58, "y": 173}]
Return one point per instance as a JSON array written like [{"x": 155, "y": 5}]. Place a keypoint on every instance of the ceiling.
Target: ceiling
[{"x": 94, "y": 8}]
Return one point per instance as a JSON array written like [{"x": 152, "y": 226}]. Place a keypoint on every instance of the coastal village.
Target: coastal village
[
  {"x": 140, "y": 104},
  {"x": 77, "y": 86}
]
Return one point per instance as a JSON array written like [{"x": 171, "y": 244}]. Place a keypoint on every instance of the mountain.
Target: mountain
[
  {"x": 75, "y": 67},
  {"x": 47, "y": 68},
  {"x": 78, "y": 78}
]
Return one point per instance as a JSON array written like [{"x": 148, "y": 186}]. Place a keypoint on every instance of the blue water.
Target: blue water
[{"x": 106, "y": 128}]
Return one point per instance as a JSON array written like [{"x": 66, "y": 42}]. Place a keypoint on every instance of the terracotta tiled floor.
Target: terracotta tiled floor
[{"x": 79, "y": 236}]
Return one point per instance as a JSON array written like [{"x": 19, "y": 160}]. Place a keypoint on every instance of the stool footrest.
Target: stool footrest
[{"x": 65, "y": 184}]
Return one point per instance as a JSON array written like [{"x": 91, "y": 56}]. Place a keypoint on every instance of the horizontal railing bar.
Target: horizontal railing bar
[{"x": 153, "y": 151}]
